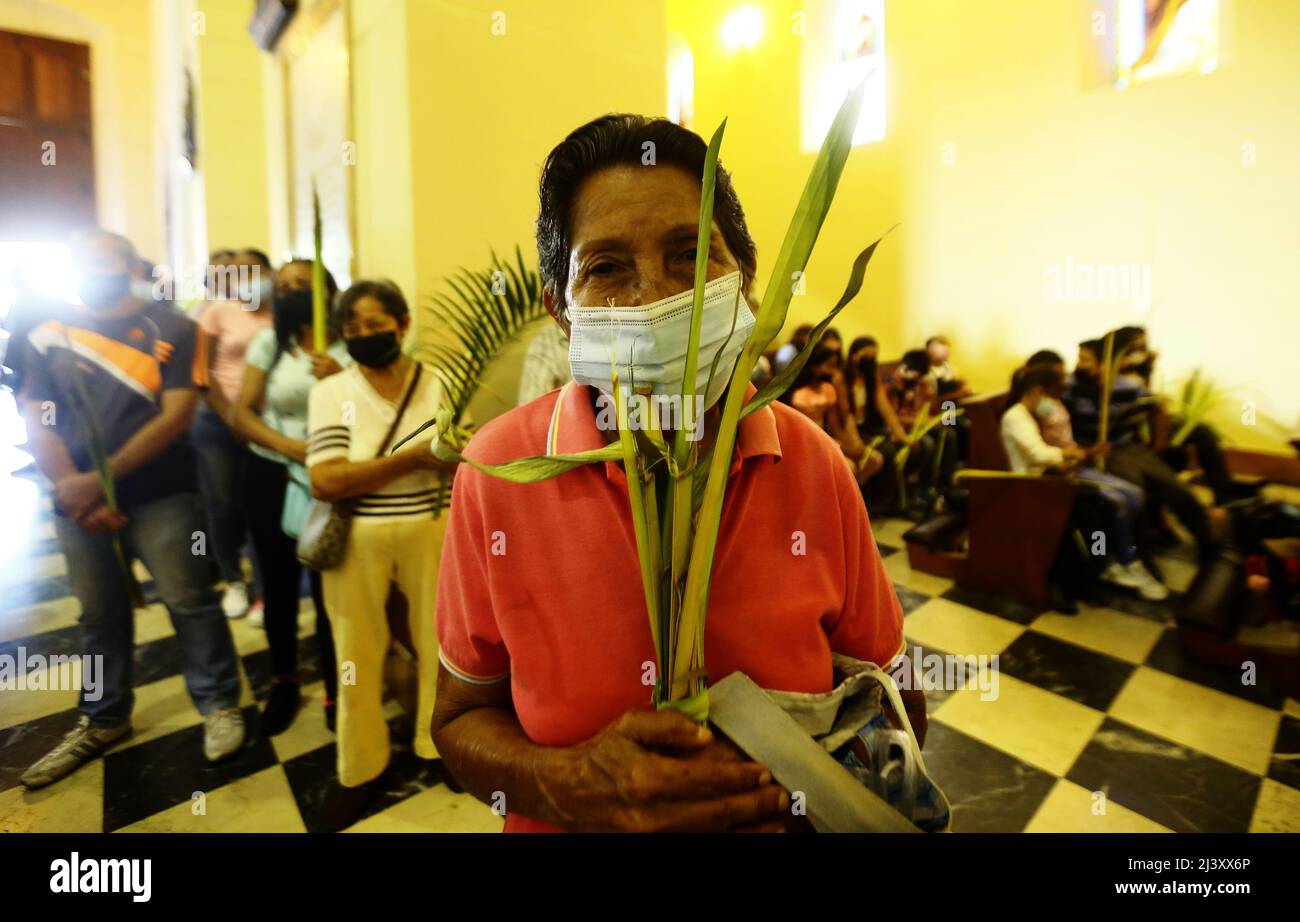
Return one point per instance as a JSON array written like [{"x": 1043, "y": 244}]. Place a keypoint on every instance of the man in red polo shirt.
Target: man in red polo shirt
[{"x": 544, "y": 695}]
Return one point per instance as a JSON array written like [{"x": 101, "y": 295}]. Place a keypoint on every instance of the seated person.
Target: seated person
[
  {"x": 942, "y": 373},
  {"x": 910, "y": 390},
  {"x": 875, "y": 417},
  {"x": 1136, "y": 358},
  {"x": 1034, "y": 395},
  {"x": 541, "y": 704},
  {"x": 785, "y": 355},
  {"x": 820, "y": 394},
  {"x": 1126, "y": 455}
]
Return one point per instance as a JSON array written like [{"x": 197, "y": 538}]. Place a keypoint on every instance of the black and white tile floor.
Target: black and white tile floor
[{"x": 1099, "y": 723}]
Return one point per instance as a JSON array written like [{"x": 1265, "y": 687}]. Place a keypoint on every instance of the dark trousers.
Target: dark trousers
[
  {"x": 934, "y": 458},
  {"x": 220, "y": 459},
  {"x": 1209, "y": 455},
  {"x": 265, "y": 483},
  {"x": 1140, "y": 465}
]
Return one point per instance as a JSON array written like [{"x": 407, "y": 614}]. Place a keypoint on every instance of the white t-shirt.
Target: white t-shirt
[
  {"x": 347, "y": 418},
  {"x": 1023, "y": 440}
]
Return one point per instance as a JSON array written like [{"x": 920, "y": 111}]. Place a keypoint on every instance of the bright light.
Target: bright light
[
  {"x": 34, "y": 268},
  {"x": 742, "y": 29}
]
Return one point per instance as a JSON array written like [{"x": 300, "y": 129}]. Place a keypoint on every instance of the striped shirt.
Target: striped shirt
[
  {"x": 347, "y": 418},
  {"x": 120, "y": 367}
]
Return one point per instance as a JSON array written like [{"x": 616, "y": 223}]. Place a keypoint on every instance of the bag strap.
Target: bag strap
[{"x": 401, "y": 410}]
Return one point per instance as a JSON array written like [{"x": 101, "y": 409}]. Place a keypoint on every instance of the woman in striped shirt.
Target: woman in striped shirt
[{"x": 397, "y": 528}]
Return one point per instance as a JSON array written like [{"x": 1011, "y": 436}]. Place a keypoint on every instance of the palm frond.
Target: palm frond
[{"x": 465, "y": 327}]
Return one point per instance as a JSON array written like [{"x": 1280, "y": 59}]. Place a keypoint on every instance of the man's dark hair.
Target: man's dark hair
[
  {"x": 1036, "y": 374},
  {"x": 1045, "y": 357},
  {"x": 918, "y": 360},
  {"x": 861, "y": 343},
  {"x": 1096, "y": 346},
  {"x": 613, "y": 140},
  {"x": 261, "y": 258},
  {"x": 385, "y": 292}
]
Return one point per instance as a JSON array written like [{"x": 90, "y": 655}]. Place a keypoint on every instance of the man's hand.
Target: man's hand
[
  {"x": 77, "y": 493},
  {"x": 657, "y": 771},
  {"x": 100, "y": 521},
  {"x": 323, "y": 365}
]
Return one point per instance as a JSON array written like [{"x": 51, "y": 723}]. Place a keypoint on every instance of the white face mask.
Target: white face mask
[{"x": 647, "y": 345}]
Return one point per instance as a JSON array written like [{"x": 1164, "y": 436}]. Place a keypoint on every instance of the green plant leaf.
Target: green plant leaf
[{"x": 781, "y": 382}]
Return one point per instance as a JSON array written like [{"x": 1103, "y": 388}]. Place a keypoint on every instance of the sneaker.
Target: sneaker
[
  {"x": 1117, "y": 574},
  {"x": 223, "y": 733},
  {"x": 1147, "y": 585},
  {"x": 234, "y": 601},
  {"x": 81, "y": 744},
  {"x": 256, "y": 614}
]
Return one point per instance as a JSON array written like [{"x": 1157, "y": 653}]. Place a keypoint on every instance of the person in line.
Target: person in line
[
  {"x": 819, "y": 392},
  {"x": 1126, "y": 455},
  {"x": 1034, "y": 395},
  {"x": 131, "y": 367},
  {"x": 397, "y": 529},
  {"x": 541, "y": 619},
  {"x": 280, "y": 367},
  {"x": 230, "y": 326}
]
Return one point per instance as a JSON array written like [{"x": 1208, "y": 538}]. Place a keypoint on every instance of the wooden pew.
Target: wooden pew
[{"x": 1015, "y": 522}]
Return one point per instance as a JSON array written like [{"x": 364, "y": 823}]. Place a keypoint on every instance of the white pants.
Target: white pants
[{"x": 404, "y": 552}]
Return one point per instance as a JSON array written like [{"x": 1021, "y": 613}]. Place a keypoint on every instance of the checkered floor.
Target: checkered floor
[{"x": 1099, "y": 723}]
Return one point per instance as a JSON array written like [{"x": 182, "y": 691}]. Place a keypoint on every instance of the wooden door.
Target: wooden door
[{"x": 47, "y": 166}]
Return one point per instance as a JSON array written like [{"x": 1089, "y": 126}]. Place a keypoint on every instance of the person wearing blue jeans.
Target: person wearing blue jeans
[
  {"x": 184, "y": 581},
  {"x": 113, "y": 384},
  {"x": 220, "y": 456}
]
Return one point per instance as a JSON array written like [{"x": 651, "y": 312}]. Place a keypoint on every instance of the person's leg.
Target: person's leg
[
  {"x": 921, "y": 461},
  {"x": 161, "y": 533},
  {"x": 106, "y": 630},
  {"x": 1209, "y": 455},
  {"x": 947, "y": 438},
  {"x": 1125, "y": 502},
  {"x": 1141, "y": 466},
  {"x": 264, "y": 487},
  {"x": 329, "y": 665},
  {"x": 215, "y": 454},
  {"x": 106, "y": 625},
  {"x": 355, "y": 591},
  {"x": 418, "y": 551}
]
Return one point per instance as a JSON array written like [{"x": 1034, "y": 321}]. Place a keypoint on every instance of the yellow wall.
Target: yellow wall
[
  {"x": 486, "y": 110},
  {"x": 128, "y": 178},
  {"x": 1050, "y": 165},
  {"x": 758, "y": 91},
  {"x": 1049, "y": 170},
  {"x": 381, "y": 117},
  {"x": 232, "y": 151}
]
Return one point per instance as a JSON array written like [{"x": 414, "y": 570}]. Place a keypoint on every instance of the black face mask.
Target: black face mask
[
  {"x": 99, "y": 292},
  {"x": 867, "y": 369},
  {"x": 376, "y": 350},
  {"x": 294, "y": 306}
]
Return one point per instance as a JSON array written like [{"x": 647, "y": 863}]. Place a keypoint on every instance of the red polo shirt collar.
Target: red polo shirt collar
[{"x": 575, "y": 430}]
